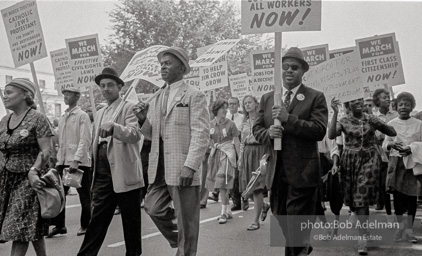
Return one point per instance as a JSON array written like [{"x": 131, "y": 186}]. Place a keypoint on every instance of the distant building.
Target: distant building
[{"x": 52, "y": 98}]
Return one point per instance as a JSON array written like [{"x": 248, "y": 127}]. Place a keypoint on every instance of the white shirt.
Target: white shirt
[
  {"x": 108, "y": 116},
  {"x": 237, "y": 119},
  {"x": 292, "y": 96},
  {"x": 174, "y": 87}
]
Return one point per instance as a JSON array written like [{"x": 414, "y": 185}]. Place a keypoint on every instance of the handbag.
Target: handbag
[
  {"x": 51, "y": 197},
  {"x": 250, "y": 188},
  {"x": 72, "y": 179}
]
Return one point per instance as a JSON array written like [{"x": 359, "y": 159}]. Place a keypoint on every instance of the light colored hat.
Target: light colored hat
[
  {"x": 181, "y": 54},
  {"x": 297, "y": 54},
  {"x": 24, "y": 84}
]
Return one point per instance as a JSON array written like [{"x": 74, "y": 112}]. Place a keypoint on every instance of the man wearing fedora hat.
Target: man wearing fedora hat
[
  {"x": 117, "y": 171},
  {"x": 304, "y": 117},
  {"x": 178, "y": 127},
  {"x": 75, "y": 140}
]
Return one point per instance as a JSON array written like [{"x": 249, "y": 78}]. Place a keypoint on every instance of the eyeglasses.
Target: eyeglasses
[{"x": 286, "y": 67}]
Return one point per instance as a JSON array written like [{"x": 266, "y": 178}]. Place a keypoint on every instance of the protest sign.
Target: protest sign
[
  {"x": 315, "y": 55},
  {"x": 215, "y": 52},
  {"x": 239, "y": 85},
  {"x": 339, "y": 77},
  {"x": 338, "y": 52},
  {"x": 201, "y": 50},
  {"x": 215, "y": 76},
  {"x": 266, "y": 16},
  {"x": 84, "y": 59},
  {"x": 23, "y": 29},
  {"x": 61, "y": 69},
  {"x": 145, "y": 65},
  {"x": 262, "y": 72},
  {"x": 380, "y": 61},
  {"x": 192, "y": 78}
]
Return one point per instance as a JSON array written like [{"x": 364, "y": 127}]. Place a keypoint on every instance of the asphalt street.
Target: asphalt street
[{"x": 231, "y": 238}]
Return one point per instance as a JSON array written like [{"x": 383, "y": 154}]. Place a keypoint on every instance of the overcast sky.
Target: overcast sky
[{"x": 342, "y": 23}]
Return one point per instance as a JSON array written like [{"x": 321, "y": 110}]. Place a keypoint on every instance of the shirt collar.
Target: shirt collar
[
  {"x": 73, "y": 110},
  {"x": 175, "y": 85},
  {"x": 294, "y": 90},
  {"x": 114, "y": 104}
]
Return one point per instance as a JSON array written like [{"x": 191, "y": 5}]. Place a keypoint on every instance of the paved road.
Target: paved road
[{"x": 229, "y": 239}]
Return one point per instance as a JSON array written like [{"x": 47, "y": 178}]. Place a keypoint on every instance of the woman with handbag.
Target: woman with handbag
[
  {"x": 251, "y": 153},
  {"x": 360, "y": 160},
  {"x": 25, "y": 136},
  {"x": 404, "y": 163},
  {"x": 222, "y": 160}
]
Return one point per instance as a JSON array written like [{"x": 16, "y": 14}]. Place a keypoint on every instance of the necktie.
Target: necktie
[
  {"x": 232, "y": 117},
  {"x": 287, "y": 99},
  {"x": 164, "y": 101}
]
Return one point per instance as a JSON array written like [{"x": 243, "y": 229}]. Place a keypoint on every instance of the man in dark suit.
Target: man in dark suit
[{"x": 304, "y": 117}]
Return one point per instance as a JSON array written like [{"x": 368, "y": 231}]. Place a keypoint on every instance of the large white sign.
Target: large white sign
[
  {"x": 23, "y": 29},
  {"x": 215, "y": 52},
  {"x": 145, "y": 65},
  {"x": 85, "y": 59},
  {"x": 265, "y": 16}
]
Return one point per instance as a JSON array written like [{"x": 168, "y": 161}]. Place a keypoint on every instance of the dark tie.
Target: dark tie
[
  {"x": 164, "y": 101},
  {"x": 232, "y": 117},
  {"x": 287, "y": 99}
]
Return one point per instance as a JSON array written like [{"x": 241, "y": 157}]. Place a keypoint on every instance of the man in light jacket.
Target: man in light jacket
[
  {"x": 117, "y": 173},
  {"x": 75, "y": 138}
]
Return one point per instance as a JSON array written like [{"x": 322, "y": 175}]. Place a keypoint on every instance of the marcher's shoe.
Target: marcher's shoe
[
  {"x": 408, "y": 234},
  {"x": 213, "y": 197},
  {"x": 245, "y": 204},
  {"x": 265, "y": 209},
  {"x": 235, "y": 207},
  {"x": 253, "y": 226},
  {"x": 81, "y": 231},
  {"x": 362, "y": 250},
  {"x": 229, "y": 215},
  {"x": 379, "y": 207},
  {"x": 398, "y": 235},
  {"x": 57, "y": 231},
  {"x": 223, "y": 219},
  {"x": 203, "y": 206}
]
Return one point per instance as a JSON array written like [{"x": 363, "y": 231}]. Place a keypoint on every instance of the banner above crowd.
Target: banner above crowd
[
  {"x": 23, "y": 29},
  {"x": 267, "y": 16},
  {"x": 215, "y": 52},
  {"x": 145, "y": 65},
  {"x": 85, "y": 59}
]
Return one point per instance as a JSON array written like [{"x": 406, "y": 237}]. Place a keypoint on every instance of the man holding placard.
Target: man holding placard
[{"x": 304, "y": 117}]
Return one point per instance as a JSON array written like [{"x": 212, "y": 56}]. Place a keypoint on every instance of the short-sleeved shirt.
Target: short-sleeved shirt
[
  {"x": 224, "y": 131},
  {"x": 20, "y": 146}
]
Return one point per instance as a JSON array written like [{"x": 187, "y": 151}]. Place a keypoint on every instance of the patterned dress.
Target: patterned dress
[
  {"x": 20, "y": 217},
  {"x": 360, "y": 161}
]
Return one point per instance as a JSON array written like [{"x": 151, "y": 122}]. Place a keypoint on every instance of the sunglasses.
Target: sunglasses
[{"x": 286, "y": 67}]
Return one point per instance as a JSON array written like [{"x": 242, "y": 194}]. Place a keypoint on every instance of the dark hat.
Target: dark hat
[
  {"x": 297, "y": 54},
  {"x": 109, "y": 73},
  {"x": 181, "y": 54},
  {"x": 23, "y": 84}
]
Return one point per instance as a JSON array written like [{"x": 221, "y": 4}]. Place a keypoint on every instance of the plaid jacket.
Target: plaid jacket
[{"x": 186, "y": 134}]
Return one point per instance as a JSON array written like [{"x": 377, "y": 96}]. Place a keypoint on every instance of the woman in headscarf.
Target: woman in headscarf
[{"x": 25, "y": 143}]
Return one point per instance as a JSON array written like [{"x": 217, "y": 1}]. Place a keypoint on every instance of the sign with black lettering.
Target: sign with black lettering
[{"x": 23, "y": 29}]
